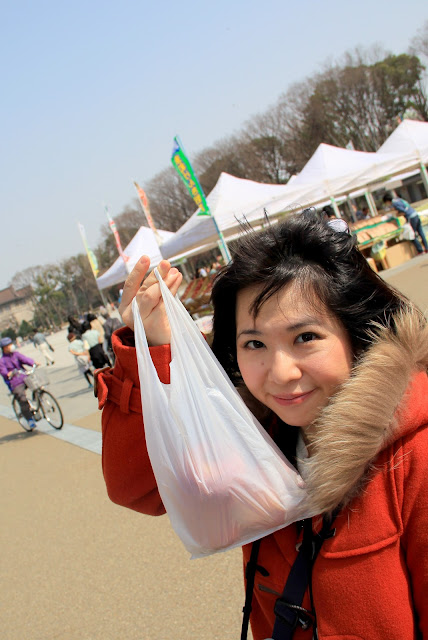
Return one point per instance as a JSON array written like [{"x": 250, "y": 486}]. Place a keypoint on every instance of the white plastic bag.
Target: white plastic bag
[
  {"x": 222, "y": 479},
  {"x": 407, "y": 233}
]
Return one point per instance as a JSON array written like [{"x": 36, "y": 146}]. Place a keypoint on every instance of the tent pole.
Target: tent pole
[
  {"x": 103, "y": 299},
  {"x": 352, "y": 210},
  {"x": 372, "y": 205},
  {"x": 335, "y": 207},
  {"x": 424, "y": 176},
  {"x": 222, "y": 243}
]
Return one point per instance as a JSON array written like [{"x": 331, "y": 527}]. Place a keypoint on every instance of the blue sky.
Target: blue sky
[{"x": 92, "y": 94}]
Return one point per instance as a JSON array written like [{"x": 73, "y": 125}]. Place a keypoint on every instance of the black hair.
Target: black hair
[
  {"x": 387, "y": 197},
  {"x": 86, "y": 326},
  {"x": 328, "y": 211},
  {"x": 306, "y": 251}
]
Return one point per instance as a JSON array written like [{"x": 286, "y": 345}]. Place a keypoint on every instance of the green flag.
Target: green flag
[
  {"x": 184, "y": 169},
  {"x": 91, "y": 255}
]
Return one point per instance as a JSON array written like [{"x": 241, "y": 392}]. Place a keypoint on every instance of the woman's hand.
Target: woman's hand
[{"x": 149, "y": 299}]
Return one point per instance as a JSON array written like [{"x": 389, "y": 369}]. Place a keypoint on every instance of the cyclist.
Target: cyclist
[{"x": 10, "y": 362}]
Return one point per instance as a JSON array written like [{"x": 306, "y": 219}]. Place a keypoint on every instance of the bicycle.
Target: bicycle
[{"x": 42, "y": 403}]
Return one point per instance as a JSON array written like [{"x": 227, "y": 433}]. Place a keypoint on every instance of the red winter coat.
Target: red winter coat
[{"x": 369, "y": 453}]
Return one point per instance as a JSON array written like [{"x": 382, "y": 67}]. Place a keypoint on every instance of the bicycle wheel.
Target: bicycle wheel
[
  {"x": 19, "y": 415},
  {"x": 51, "y": 409}
]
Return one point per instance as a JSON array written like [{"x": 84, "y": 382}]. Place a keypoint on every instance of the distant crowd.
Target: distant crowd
[{"x": 90, "y": 341}]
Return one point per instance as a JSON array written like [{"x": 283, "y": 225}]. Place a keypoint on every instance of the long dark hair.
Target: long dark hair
[{"x": 306, "y": 251}]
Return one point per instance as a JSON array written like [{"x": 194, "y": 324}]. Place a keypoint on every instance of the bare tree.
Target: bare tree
[
  {"x": 419, "y": 43},
  {"x": 170, "y": 203},
  {"x": 26, "y": 277}
]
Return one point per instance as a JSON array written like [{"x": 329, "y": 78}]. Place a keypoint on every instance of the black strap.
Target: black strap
[
  {"x": 250, "y": 575},
  {"x": 288, "y": 607}
]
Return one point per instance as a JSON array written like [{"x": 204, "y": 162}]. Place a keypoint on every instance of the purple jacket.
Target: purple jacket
[{"x": 11, "y": 361}]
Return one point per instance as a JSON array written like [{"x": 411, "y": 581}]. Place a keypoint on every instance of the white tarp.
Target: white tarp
[
  {"x": 336, "y": 172},
  {"x": 230, "y": 197},
  {"x": 144, "y": 242},
  {"x": 411, "y": 136},
  {"x": 330, "y": 172}
]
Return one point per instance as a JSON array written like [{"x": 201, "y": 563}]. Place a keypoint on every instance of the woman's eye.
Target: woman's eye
[
  {"x": 254, "y": 344},
  {"x": 306, "y": 337}
]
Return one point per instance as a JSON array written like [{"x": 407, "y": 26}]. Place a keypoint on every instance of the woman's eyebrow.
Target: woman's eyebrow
[
  {"x": 296, "y": 326},
  {"x": 304, "y": 323},
  {"x": 249, "y": 332}
]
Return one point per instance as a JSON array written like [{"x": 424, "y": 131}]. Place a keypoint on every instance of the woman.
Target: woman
[
  {"x": 78, "y": 350},
  {"x": 333, "y": 362},
  {"x": 74, "y": 326},
  {"x": 97, "y": 354},
  {"x": 12, "y": 364}
]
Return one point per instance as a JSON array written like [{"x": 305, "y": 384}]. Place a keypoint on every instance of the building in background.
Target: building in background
[{"x": 15, "y": 306}]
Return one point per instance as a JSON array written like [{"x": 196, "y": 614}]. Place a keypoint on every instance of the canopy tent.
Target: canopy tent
[
  {"x": 331, "y": 172},
  {"x": 144, "y": 242},
  {"x": 230, "y": 197},
  {"x": 411, "y": 136}
]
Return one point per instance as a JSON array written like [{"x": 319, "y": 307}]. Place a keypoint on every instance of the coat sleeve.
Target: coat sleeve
[
  {"x": 415, "y": 522},
  {"x": 126, "y": 466},
  {"x": 3, "y": 370},
  {"x": 25, "y": 360}
]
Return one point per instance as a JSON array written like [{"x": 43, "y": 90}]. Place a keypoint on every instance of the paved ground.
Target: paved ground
[
  {"x": 76, "y": 567},
  {"x": 411, "y": 278}
]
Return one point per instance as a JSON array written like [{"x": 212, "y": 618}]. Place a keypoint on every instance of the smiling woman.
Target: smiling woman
[
  {"x": 333, "y": 362},
  {"x": 291, "y": 361}
]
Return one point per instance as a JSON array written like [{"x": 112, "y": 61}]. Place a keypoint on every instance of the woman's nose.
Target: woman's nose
[{"x": 284, "y": 368}]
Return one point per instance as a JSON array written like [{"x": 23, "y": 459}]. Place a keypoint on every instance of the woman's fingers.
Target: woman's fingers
[
  {"x": 175, "y": 283},
  {"x": 149, "y": 295},
  {"x": 163, "y": 268},
  {"x": 133, "y": 282}
]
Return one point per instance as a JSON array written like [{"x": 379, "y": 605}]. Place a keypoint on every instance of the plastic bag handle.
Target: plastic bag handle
[
  {"x": 179, "y": 319},
  {"x": 145, "y": 362}
]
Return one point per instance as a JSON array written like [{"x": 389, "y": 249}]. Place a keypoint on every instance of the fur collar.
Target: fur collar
[{"x": 361, "y": 419}]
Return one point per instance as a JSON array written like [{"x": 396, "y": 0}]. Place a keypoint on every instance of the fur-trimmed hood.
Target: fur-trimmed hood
[{"x": 365, "y": 415}]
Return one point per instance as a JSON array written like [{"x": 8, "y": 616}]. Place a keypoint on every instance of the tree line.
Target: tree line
[{"x": 354, "y": 103}]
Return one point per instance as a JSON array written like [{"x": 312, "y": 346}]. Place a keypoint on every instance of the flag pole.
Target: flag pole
[
  {"x": 115, "y": 232},
  {"x": 92, "y": 259},
  {"x": 144, "y": 202},
  {"x": 181, "y": 164}
]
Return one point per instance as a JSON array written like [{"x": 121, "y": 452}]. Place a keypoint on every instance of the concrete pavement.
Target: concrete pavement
[{"x": 77, "y": 567}]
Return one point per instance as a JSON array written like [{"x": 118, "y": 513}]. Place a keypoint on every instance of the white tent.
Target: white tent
[
  {"x": 331, "y": 172},
  {"x": 230, "y": 197},
  {"x": 337, "y": 172},
  {"x": 143, "y": 242},
  {"x": 411, "y": 136}
]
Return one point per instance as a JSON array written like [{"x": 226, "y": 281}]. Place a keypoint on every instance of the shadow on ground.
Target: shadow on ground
[{"x": 21, "y": 435}]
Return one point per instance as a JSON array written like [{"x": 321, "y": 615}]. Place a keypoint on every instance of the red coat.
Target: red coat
[{"x": 370, "y": 580}]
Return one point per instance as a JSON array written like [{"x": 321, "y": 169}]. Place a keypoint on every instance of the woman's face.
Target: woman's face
[{"x": 293, "y": 356}]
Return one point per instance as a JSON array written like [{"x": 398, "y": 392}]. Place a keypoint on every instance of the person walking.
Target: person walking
[
  {"x": 110, "y": 325},
  {"x": 95, "y": 343},
  {"x": 10, "y": 364},
  {"x": 412, "y": 217},
  {"x": 40, "y": 342},
  {"x": 78, "y": 350},
  {"x": 333, "y": 362},
  {"x": 74, "y": 326}
]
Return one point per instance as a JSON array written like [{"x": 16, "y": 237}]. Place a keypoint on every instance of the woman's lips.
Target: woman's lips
[{"x": 292, "y": 399}]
